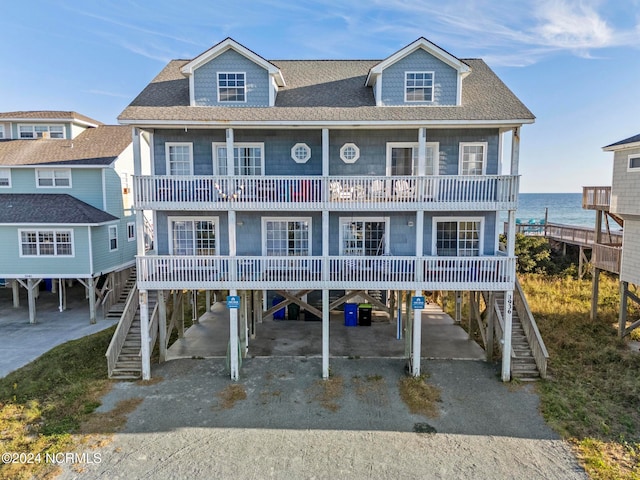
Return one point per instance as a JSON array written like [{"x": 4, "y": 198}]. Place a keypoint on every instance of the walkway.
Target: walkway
[
  {"x": 441, "y": 338},
  {"x": 23, "y": 342}
]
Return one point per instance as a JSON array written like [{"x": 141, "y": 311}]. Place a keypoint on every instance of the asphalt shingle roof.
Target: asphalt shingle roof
[
  {"x": 634, "y": 139},
  {"x": 48, "y": 114},
  {"x": 95, "y": 146},
  {"x": 49, "y": 209},
  {"x": 325, "y": 91}
]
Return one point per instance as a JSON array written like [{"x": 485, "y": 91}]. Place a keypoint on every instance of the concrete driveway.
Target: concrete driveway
[{"x": 287, "y": 428}]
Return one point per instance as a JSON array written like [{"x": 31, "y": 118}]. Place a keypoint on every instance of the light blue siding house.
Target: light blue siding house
[
  {"x": 306, "y": 177},
  {"x": 65, "y": 203}
]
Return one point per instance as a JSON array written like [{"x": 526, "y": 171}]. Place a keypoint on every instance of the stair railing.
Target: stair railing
[
  {"x": 117, "y": 341},
  {"x": 153, "y": 328},
  {"x": 538, "y": 348}
]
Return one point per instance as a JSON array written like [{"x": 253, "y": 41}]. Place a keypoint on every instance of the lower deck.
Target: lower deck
[{"x": 441, "y": 337}]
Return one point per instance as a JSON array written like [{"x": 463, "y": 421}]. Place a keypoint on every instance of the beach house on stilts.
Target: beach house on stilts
[{"x": 318, "y": 180}]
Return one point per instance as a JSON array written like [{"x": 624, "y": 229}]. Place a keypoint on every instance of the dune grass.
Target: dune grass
[
  {"x": 592, "y": 396},
  {"x": 43, "y": 403}
]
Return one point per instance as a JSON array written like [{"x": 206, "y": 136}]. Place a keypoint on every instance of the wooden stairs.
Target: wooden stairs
[
  {"x": 523, "y": 364},
  {"x": 129, "y": 363}
]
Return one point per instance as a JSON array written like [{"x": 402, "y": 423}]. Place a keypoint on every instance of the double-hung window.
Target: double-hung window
[
  {"x": 473, "y": 158},
  {"x": 1, "y": 131},
  {"x": 418, "y": 86},
  {"x": 113, "y": 238},
  {"x": 40, "y": 131},
  {"x": 286, "y": 237},
  {"x": 193, "y": 235},
  {"x": 364, "y": 236},
  {"x": 634, "y": 163},
  {"x": 46, "y": 243},
  {"x": 179, "y": 158},
  {"x": 231, "y": 87},
  {"x": 53, "y": 177},
  {"x": 248, "y": 158},
  {"x": 458, "y": 237}
]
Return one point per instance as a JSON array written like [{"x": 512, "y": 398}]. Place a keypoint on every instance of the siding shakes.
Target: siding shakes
[
  {"x": 206, "y": 81},
  {"x": 445, "y": 80},
  {"x": 625, "y": 187},
  {"x": 630, "y": 268}
]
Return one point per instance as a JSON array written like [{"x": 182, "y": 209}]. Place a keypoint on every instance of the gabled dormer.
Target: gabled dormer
[
  {"x": 421, "y": 74},
  {"x": 27, "y": 125},
  {"x": 231, "y": 75}
]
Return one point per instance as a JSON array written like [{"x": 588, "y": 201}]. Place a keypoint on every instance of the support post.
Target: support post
[
  {"x": 180, "y": 323},
  {"x": 15, "y": 288},
  {"x": 91, "y": 287},
  {"x": 392, "y": 306},
  {"x": 624, "y": 300},
  {"x": 162, "y": 325},
  {"x": 32, "y": 301},
  {"x": 194, "y": 306},
  {"x": 458, "y": 318},
  {"x": 233, "y": 340},
  {"x": 417, "y": 338},
  {"x": 253, "y": 312},
  {"x": 595, "y": 292},
  {"x": 325, "y": 333},
  {"x": 207, "y": 300},
  {"x": 244, "y": 344},
  {"x": 144, "y": 334},
  {"x": 408, "y": 330},
  {"x": 506, "y": 345}
]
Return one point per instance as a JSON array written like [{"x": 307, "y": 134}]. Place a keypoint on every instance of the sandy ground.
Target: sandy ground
[{"x": 286, "y": 429}]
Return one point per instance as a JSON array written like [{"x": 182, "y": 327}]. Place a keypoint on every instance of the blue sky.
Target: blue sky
[{"x": 575, "y": 64}]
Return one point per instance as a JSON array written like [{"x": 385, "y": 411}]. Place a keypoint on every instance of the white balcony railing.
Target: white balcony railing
[
  {"x": 337, "y": 273},
  {"x": 444, "y": 192}
]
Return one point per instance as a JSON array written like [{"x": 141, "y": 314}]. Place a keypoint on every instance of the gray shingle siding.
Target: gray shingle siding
[
  {"x": 445, "y": 79},
  {"x": 630, "y": 268},
  {"x": 625, "y": 187},
  {"x": 206, "y": 81}
]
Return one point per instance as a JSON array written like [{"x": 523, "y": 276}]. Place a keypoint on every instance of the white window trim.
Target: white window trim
[
  {"x": 40, "y": 170},
  {"x": 225, "y": 102},
  {"x": 2, "y": 131},
  {"x": 344, "y": 148},
  {"x": 416, "y": 145},
  {"x": 214, "y": 220},
  {"x": 307, "y": 155},
  {"x": 633, "y": 156},
  {"x": 6, "y": 171},
  {"x": 33, "y": 125},
  {"x": 285, "y": 219},
  {"x": 434, "y": 230},
  {"x": 37, "y": 231},
  {"x": 167, "y": 148},
  {"x": 433, "y": 87},
  {"x": 216, "y": 145},
  {"x": 485, "y": 146},
  {"x": 111, "y": 228},
  {"x": 387, "y": 229},
  {"x": 131, "y": 238}
]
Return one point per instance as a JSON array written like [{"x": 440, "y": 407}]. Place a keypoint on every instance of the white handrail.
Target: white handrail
[
  {"x": 538, "y": 348},
  {"x": 119, "y": 336}
]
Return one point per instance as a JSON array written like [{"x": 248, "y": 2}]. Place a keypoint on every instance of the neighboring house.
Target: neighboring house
[
  {"x": 65, "y": 202},
  {"x": 625, "y": 203},
  {"x": 305, "y": 177}
]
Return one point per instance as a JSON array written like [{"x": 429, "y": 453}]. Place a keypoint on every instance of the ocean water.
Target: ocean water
[{"x": 564, "y": 208}]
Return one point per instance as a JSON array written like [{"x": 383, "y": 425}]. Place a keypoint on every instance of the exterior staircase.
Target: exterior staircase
[
  {"x": 523, "y": 362},
  {"x": 124, "y": 360}
]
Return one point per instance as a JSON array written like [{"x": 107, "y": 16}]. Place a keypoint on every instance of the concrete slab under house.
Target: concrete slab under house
[{"x": 314, "y": 184}]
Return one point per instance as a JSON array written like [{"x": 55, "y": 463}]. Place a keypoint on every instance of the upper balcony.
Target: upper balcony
[
  {"x": 596, "y": 198},
  {"x": 312, "y": 193}
]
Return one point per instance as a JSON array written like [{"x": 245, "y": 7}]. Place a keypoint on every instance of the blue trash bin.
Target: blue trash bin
[
  {"x": 350, "y": 314},
  {"x": 278, "y": 314}
]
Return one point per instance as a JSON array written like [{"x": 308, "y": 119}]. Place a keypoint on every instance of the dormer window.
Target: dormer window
[
  {"x": 231, "y": 87},
  {"x": 41, "y": 131},
  {"x": 418, "y": 87}
]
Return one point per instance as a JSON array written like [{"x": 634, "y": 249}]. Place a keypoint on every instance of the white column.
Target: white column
[
  {"x": 506, "y": 341},
  {"x": 417, "y": 337},
  {"x": 32, "y": 300},
  {"x": 422, "y": 151},
  {"x": 515, "y": 150},
  {"x": 137, "y": 170},
  {"x": 511, "y": 233},
  {"x": 162, "y": 324},
  {"x": 233, "y": 277},
  {"x": 230, "y": 159},
  {"x": 233, "y": 340},
  {"x": 91, "y": 286},
  {"x": 325, "y": 245},
  {"x": 144, "y": 334},
  {"x": 325, "y": 333},
  {"x": 15, "y": 288},
  {"x": 325, "y": 152}
]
